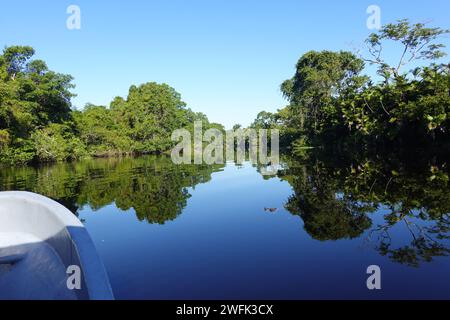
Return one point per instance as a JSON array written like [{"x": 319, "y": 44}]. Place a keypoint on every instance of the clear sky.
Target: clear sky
[{"x": 226, "y": 57}]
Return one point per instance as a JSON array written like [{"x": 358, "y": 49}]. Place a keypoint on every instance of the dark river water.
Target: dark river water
[{"x": 228, "y": 232}]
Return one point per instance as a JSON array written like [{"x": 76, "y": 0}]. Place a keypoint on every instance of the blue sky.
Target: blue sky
[{"x": 226, "y": 57}]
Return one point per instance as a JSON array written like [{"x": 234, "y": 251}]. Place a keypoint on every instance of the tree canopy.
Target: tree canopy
[
  {"x": 332, "y": 101},
  {"x": 38, "y": 123}
]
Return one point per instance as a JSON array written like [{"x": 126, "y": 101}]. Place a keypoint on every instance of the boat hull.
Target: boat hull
[{"x": 41, "y": 241}]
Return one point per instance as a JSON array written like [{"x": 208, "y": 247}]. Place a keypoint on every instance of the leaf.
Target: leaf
[{"x": 392, "y": 120}]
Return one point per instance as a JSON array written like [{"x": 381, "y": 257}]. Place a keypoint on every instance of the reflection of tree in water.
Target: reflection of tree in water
[
  {"x": 154, "y": 187},
  {"x": 424, "y": 245},
  {"x": 326, "y": 215},
  {"x": 337, "y": 201}
]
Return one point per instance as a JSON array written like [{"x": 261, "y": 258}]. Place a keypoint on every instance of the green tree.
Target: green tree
[
  {"x": 32, "y": 97},
  {"x": 331, "y": 102},
  {"x": 415, "y": 43},
  {"x": 320, "y": 78},
  {"x": 37, "y": 122},
  {"x": 15, "y": 58}
]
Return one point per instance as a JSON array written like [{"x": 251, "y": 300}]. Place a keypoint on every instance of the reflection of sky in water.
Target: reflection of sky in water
[
  {"x": 224, "y": 232},
  {"x": 224, "y": 245}
]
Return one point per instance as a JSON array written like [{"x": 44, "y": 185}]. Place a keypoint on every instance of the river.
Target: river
[{"x": 227, "y": 232}]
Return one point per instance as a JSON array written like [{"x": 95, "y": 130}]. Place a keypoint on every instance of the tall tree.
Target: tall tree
[{"x": 320, "y": 77}]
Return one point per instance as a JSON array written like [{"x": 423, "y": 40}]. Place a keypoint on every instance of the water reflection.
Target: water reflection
[
  {"x": 337, "y": 197},
  {"x": 155, "y": 188}
]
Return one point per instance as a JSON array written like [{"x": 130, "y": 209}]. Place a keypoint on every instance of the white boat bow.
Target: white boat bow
[{"x": 40, "y": 240}]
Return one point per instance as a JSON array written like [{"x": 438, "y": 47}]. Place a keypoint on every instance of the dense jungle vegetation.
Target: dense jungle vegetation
[
  {"x": 38, "y": 123},
  {"x": 331, "y": 101}
]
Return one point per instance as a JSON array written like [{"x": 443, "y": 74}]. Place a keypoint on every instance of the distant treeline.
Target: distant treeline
[
  {"x": 38, "y": 123},
  {"x": 331, "y": 101}
]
